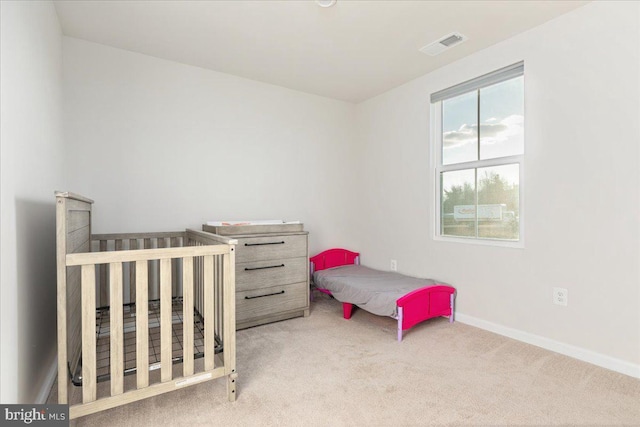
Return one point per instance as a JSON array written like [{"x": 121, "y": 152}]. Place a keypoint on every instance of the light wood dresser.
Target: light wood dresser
[{"x": 272, "y": 272}]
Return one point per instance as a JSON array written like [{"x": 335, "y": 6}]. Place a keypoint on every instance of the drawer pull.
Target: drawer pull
[
  {"x": 262, "y": 244},
  {"x": 262, "y": 268},
  {"x": 266, "y": 295}
]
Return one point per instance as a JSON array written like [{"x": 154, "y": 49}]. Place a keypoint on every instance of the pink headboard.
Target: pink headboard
[{"x": 333, "y": 258}]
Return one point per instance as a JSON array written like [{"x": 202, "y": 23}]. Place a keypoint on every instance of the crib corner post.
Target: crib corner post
[
  {"x": 400, "y": 313},
  {"x": 231, "y": 386}
]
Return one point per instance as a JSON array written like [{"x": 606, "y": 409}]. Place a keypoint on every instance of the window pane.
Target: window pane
[
  {"x": 502, "y": 119},
  {"x": 460, "y": 128},
  {"x": 499, "y": 202},
  {"x": 458, "y": 200}
]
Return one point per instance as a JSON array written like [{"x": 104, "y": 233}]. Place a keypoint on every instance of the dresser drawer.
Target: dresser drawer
[
  {"x": 273, "y": 300},
  {"x": 263, "y": 274},
  {"x": 271, "y": 247},
  {"x": 271, "y": 273}
]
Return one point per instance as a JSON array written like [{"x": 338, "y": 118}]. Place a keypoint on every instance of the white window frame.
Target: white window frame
[{"x": 439, "y": 168}]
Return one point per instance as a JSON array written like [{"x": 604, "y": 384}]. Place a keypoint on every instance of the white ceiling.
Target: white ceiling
[{"x": 352, "y": 51}]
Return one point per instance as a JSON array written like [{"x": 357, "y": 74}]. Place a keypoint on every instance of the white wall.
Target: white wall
[
  {"x": 163, "y": 146},
  {"x": 31, "y": 153},
  {"x": 581, "y": 191}
]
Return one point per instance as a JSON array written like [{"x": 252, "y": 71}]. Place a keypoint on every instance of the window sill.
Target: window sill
[{"x": 482, "y": 242}]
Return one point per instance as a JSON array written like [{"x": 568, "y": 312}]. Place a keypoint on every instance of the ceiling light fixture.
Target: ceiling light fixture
[{"x": 325, "y": 3}]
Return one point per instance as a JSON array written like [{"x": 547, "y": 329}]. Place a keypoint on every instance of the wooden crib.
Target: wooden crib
[{"x": 126, "y": 305}]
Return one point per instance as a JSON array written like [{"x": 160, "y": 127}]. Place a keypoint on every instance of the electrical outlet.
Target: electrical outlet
[
  {"x": 560, "y": 296},
  {"x": 394, "y": 265}
]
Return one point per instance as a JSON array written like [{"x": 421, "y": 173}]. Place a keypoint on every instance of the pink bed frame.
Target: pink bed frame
[{"x": 413, "y": 308}]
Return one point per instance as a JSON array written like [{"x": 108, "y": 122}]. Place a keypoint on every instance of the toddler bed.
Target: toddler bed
[
  {"x": 157, "y": 305},
  {"x": 410, "y": 300}
]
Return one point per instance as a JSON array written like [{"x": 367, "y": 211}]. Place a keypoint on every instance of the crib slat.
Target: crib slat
[
  {"x": 102, "y": 284},
  {"x": 173, "y": 242},
  {"x": 209, "y": 337},
  {"x": 201, "y": 284},
  {"x": 142, "y": 325},
  {"x": 218, "y": 295},
  {"x": 88, "y": 333},
  {"x": 116, "y": 327},
  {"x": 160, "y": 243},
  {"x": 165, "y": 319},
  {"x": 198, "y": 283},
  {"x": 187, "y": 315},
  {"x": 133, "y": 244},
  {"x": 118, "y": 246},
  {"x": 147, "y": 245}
]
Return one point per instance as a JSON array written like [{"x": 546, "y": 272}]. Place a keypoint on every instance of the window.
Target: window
[{"x": 478, "y": 130}]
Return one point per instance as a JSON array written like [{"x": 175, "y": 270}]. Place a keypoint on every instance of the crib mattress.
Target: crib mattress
[{"x": 373, "y": 290}]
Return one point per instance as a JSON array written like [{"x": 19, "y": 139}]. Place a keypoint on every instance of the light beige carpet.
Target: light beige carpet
[{"x": 327, "y": 371}]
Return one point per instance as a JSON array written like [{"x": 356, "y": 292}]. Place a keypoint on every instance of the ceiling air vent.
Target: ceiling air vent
[{"x": 443, "y": 44}]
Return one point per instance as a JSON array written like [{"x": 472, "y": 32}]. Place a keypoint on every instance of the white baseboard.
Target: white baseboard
[
  {"x": 43, "y": 394},
  {"x": 607, "y": 362}
]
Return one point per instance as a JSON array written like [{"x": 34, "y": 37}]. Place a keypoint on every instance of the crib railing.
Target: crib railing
[
  {"x": 201, "y": 272},
  {"x": 191, "y": 269}
]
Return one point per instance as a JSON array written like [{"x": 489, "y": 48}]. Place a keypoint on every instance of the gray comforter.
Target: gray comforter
[{"x": 373, "y": 290}]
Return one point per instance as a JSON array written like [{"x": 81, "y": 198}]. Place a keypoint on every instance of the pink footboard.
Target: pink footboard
[
  {"x": 413, "y": 308},
  {"x": 424, "y": 303}
]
